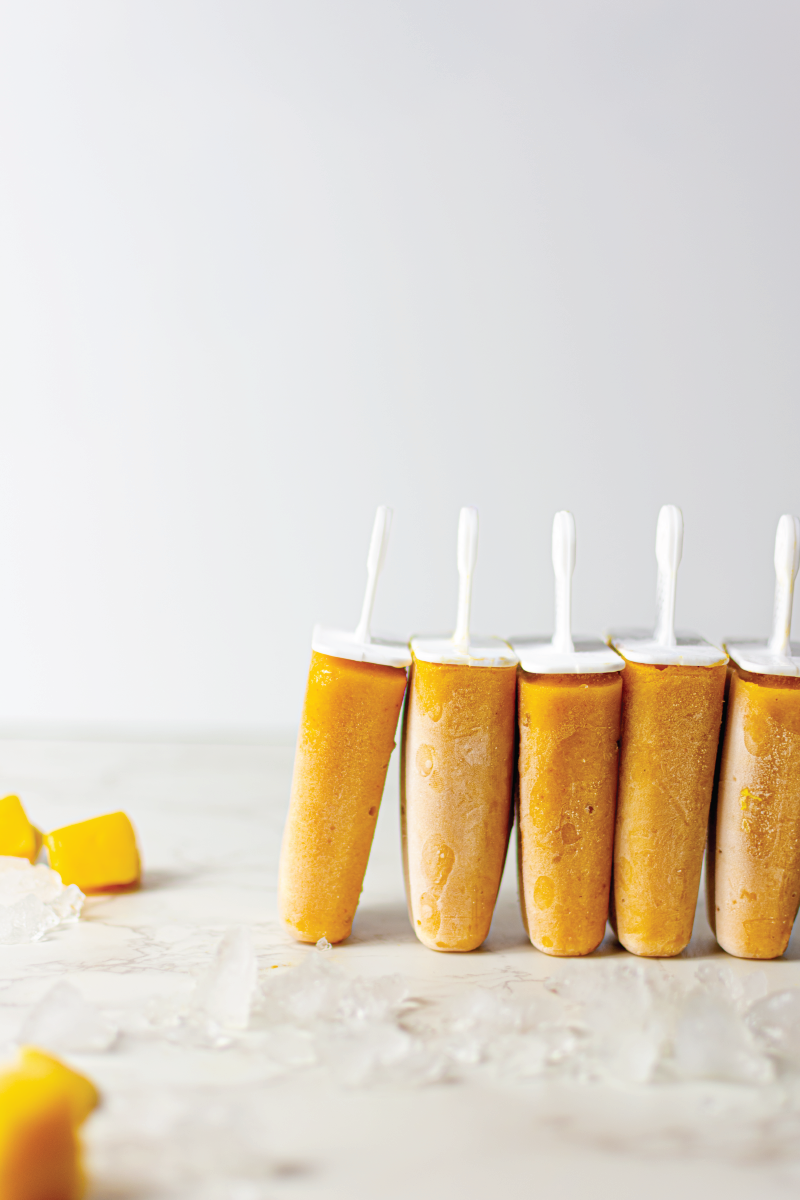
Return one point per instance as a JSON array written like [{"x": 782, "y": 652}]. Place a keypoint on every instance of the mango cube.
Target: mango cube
[
  {"x": 97, "y": 855},
  {"x": 18, "y": 838},
  {"x": 42, "y": 1103},
  {"x": 82, "y": 1094}
]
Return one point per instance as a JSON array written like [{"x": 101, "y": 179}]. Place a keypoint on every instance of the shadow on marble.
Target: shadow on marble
[
  {"x": 387, "y": 922},
  {"x": 507, "y": 931},
  {"x": 156, "y": 881}
]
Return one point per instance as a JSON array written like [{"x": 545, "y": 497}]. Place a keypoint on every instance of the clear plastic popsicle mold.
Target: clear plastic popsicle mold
[
  {"x": 465, "y": 648},
  {"x": 561, "y": 654},
  {"x": 666, "y": 647},
  {"x": 778, "y": 655},
  {"x": 361, "y": 646}
]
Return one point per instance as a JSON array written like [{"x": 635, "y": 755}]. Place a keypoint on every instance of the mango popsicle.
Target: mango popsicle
[
  {"x": 569, "y": 696},
  {"x": 754, "y": 849},
  {"x": 355, "y": 690},
  {"x": 672, "y": 694},
  {"x": 456, "y": 773}
]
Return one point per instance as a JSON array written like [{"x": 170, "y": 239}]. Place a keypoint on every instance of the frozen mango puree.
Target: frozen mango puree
[
  {"x": 42, "y": 1105},
  {"x": 98, "y": 855},
  {"x": 346, "y": 739},
  {"x": 670, "y": 731},
  {"x": 756, "y": 855},
  {"x": 456, "y": 806},
  {"x": 567, "y": 791},
  {"x": 18, "y": 838}
]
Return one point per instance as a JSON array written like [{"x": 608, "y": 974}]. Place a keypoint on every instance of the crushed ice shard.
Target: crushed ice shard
[
  {"x": 33, "y": 901},
  {"x": 224, "y": 995},
  {"x": 63, "y": 1021}
]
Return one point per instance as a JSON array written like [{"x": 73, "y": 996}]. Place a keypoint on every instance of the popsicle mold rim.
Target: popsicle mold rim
[
  {"x": 383, "y": 651},
  {"x": 756, "y": 658},
  {"x": 361, "y": 646},
  {"x": 479, "y": 651},
  {"x": 690, "y": 650},
  {"x": 778, "y": 655},
  {"x": 590, "y": 656},
  {"x": 561, "y": 655}
]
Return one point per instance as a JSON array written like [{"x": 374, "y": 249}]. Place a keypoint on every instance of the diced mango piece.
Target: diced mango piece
[
  {"x": 98, "y": 855},
  {"x": 42, "y": 1103},
  {"x": 83, "y": 1095},
  {"x": 17, "y": 836}
]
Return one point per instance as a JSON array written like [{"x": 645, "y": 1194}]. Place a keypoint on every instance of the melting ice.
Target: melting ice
[
  {"x": 33, "y": 901},
  {"x": 64, "y": 1021}
]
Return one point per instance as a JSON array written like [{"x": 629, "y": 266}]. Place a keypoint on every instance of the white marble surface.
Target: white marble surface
[{"x": 187, "y": 1120}]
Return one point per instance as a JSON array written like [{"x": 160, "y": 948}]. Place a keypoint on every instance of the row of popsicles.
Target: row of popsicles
[{"x": 613, "y": 755}]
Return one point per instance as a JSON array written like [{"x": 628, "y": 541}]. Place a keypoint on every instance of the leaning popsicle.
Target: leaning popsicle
[
  {"x": 754, "y": 849},
  {"x": 672, "y": 694},
  {"x": 456, "y": 774},
  {"x": 355, "y": 690},
  {"x": 569, "y": 696}
]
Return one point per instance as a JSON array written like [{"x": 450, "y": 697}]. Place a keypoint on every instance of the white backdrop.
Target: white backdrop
[{"x": 265, "y": 265}]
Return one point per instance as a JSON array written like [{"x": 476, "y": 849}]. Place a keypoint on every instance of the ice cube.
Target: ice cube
[
  {"x": 473, "y": 1021},
  {"x": 739, "y": 990},
  {"x": 312, "y": 991},
  {"x": 353, "y": 1024},
  {"x": 712, "y": 1042},
  {"x": 752, "y": 987},
  {"x": 360, "y": 1056},
  {"x": 226, "y": 992},
  {"x": 67, "y": 903},
  {"x": 621, "y": 1014},
  {"x": 775, "y": 1023},
  {"x": 27, "y": 920},
  {"x": 290, "y": 1046},
  {"x": 64, "y": 1021},
  {"x": 378, "y": 999},
  {"x": 716, "y": 980},
  {"x": 33, "y": 901},
  {"x": 522, "y": 1055}
]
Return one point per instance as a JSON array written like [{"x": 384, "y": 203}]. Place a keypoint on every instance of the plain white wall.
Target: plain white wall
[{"x": 265, "y": 265}]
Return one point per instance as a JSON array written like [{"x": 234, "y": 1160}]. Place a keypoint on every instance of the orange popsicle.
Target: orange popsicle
[
  {"x": 456, "y": 777},
  {"x": 754, "y": 853},
  {"x": 355, "y": 690},
  {"x": 569, "y": 695},
  {"x": 672, "y": 693},
  {"x": 346, "y": 739}
]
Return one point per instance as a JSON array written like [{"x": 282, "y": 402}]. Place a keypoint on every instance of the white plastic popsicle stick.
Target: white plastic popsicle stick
[
  {"x": 563, "y": 567},
  {"x": 665, "y": 647},
  {"x": 562, "y": 654},
  {"x": 377, "y": 553},
  {"x": 669, "y": 549},
  {"x": 467, "y": 557},
  {"x": 361, "y": 646},
  {"x": 464, "y": 648},
  {"x": 787, "y": 559}
]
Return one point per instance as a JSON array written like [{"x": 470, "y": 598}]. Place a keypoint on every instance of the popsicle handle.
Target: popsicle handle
[
  {"x": 377, "y": 553},
  {"x": 669, "y": 549},
  {"x": 787, "y": 558},
  {"x": 467, "y": 557},
  {"x": 563, "y": 567}
]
